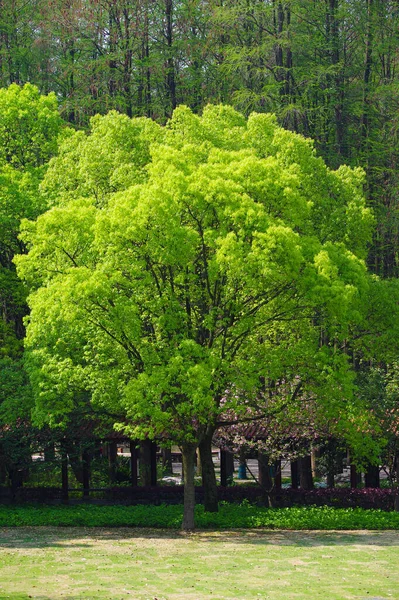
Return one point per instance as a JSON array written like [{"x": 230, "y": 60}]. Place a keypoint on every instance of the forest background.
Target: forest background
[{"x": 326, "y": 68}]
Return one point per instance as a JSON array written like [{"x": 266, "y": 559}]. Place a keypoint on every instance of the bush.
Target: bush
[{"x": 230, "y": 516}]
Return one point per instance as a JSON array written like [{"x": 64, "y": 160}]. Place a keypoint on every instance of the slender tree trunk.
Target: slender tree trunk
[
  {"x": 355, "y": 477},
  {"x": 112, "y": 456},
  {"x": 277, "y": 475},
  {"x": 188, "y": 454},
  {"x": 372, "y": 477},
  {"x": 226, "y": 467},
  {"x": 294, "y": 475},
  {"x": 170, "y": 67},
  {"x": 86, "y": 472},
  {"x": 145, "y": 463},
  {"x": 64, "y": 473},
  {"x": 167, "y": 461},
  {"x": 133, "y": 464},
  {"x": 397, "y": 483},
  {"x": 208, "y": 473},
  {"x": 367, "y": 74}
]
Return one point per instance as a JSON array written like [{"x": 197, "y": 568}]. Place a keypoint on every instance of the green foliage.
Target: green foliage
[
  {"x": 218, "y": 259},
  {"x": 230, "y": 516},
  {"x": 29, "y": 126}
]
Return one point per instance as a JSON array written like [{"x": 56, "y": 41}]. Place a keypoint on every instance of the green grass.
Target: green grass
[
  {"x": 120, "y": 563},
  {"x": 230, "y": 516}
]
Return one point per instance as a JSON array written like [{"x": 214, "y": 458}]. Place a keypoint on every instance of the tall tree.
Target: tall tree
[{"x": 198, "y": 279}]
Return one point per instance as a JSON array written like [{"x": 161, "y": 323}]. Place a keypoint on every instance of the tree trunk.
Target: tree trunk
[
  {"x": 372, "y": 477},
  {"x": 355, "y": 477},
  {"x": 133, "y": 464},
  {"x": 64, "y": 474},
  {"x": 330, "y": 479},
  {"x": 112, "y": 455},
  {"x": 396, "y": 504},
  {"x": 167, "y": 461},
  {"x": 294, "y": 475},
  {"x": 73, "y": 450},
  {"x": 145, "y": 463},
  {"x": 305, "y": 473},
  {"x": 153, "y": 463},
  {"x": 49, "y": 452},
  {"x": 208, "y": 474},
  {"x": 265, "y": 478},
  {"x": 277, "y": 475},
  {"x": 226, "y": 467},
  {"x": 188, "y": 453},
  {"x": 86, "y": 472}
]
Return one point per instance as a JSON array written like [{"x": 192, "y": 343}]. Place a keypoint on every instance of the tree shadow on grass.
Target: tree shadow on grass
[{"x": 42, "y": 537}]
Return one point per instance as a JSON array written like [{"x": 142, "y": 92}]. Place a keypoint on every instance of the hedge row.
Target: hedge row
[
  {"x": 230, "y": 516},
  {"x": 336, "y": 497}
]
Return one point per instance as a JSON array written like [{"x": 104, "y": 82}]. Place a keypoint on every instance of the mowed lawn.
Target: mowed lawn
[{"x": 54, "y": 563}]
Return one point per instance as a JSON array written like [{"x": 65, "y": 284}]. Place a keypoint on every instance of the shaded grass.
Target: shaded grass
[
  {"x": 55, "y": 563},
  {"x": 229, "y": 516}
]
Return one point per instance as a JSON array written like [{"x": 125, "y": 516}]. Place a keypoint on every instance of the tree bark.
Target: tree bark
[
  {"x": 167, "y": 461},
  {"x": 64, "y": 474},
  {"x": 145, "y": 463},
  {"x": 305, "y": 473},
  {"x": 188, "y": 453},
  {"x": 372, "y": 477},
  {"x": 277, "y": 475},
  {"x": 133, "y": 464},
  {"x": 86, "y": 472},
  {"x": 294, "y": 475},
  {"x": 226, "y": 467},
  {"x": 265, "y": 478},
  {"x": 355, "y": 477},
  {"x": 112, "y": 454},
  {"x": 208, "y": 474}
]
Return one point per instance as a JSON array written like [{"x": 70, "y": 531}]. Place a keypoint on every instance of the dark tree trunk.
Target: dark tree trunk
[
  {"x": 277, "y": 475},
  {"x": 170, "y": 67},
  {"x": 372, "y": 477},
  {"x": 133, "y": 464},
  {"x": 397, "y": 483},
  {"x": 305, "y": 473},
  {"x": 226, "y": 467},
  {"x": 145, "y": 463},
  {"x": 208, "y": 473},
  {"x": 153, "y": 463},
  {"x": 75, "y": 461},
  {"x": 355, "y": 477},
  {"x": 294, "y": 475},
  {"x": 265, "y": 478},
  {"x": 167, "y": 461},
  {"x": 188, "y": 454},
  {"x": 49, "y": 452},
  {"x": 330, "y": 479},
  {"x": 64, "y": 474},
  {"x": 86, "y": 472},
  {"x": 112, "y": 454}
]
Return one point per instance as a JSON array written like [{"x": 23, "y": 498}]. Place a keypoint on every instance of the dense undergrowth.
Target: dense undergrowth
[{"x": 229, "y": 517}]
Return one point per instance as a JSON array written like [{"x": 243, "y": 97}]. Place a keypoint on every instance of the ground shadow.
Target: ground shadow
[{"x": 42, "y": 537}]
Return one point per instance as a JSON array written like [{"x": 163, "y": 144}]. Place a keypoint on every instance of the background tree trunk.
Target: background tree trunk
[
  {"x": 305, "y": 473},
  {"x": 208, "y": 474},
  {"x": 188, "y": 454}
]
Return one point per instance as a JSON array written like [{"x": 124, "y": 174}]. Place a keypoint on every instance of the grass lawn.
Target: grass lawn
[{"x": 121, "y": 563}]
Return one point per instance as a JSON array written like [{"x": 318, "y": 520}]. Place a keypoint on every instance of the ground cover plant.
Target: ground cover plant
[
  {"x": 230, "y": 516},
  {"x": 54, "y": 563}
]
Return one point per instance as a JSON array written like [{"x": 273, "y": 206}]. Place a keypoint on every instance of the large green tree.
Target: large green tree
[{"x": 173, "y": 299}]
